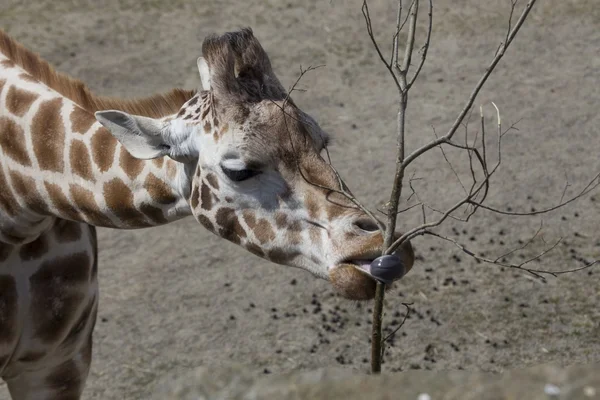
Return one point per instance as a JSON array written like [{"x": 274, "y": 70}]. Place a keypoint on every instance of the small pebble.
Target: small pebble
[
  {"x": 424, "y": 396},
  {"x": 551, "y": 390},
  {"x": 589, "y": 391}
]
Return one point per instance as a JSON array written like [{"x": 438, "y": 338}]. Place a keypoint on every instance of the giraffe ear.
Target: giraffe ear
[{"x": 141, "y": 136}]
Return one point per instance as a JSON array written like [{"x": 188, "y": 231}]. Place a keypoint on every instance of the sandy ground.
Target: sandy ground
[{"x": 177, "y": 297}]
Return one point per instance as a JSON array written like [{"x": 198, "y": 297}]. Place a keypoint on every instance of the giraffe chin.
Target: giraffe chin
[{"x": 353, "y": 282}]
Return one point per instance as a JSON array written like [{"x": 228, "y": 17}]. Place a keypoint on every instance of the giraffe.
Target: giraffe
[{"x": 237, "y": 154}]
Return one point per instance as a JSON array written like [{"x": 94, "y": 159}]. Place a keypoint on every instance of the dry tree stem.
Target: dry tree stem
[
  {"x": 400, "y": 77},
  {"x": 399, "y": 73}
]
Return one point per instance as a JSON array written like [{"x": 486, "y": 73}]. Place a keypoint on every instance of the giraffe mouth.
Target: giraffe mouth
[
  {"x": 384, "y": 269},
  {"x": 361, "y": 264}
]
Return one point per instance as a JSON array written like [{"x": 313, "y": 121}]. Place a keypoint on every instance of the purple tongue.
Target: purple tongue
[{"x": 387, "y": 268}]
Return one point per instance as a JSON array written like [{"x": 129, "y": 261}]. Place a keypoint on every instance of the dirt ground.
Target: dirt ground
[{"x": 177, "y": 297}]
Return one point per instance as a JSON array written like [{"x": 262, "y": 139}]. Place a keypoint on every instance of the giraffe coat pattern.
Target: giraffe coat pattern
[{"x": 238, "y": 155}]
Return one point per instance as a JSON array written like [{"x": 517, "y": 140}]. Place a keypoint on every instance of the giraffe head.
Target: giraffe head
[{"x": 254, "y": 165}]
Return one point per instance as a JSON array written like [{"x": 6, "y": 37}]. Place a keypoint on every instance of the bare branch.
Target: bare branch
[
  {"x": 410, "y": 158},
  {"x": 523, "y": 246},
  {"x": 451, "y": 166},
  {"x": 538, "y": 273},
  {"x": 410, "y": 41},
  {"x": 367, "y": 16},
  {"x": 593, "y": 184},
  {"x": 425, "y": 47},
  {"x": 408, "y": 309},
  {"x": 565, "y": 189}
]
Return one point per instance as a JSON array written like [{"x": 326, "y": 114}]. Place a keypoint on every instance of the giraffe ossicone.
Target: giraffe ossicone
[{"x": 239, "y": 155}]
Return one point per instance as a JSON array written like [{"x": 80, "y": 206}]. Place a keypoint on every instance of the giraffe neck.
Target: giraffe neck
[{"x": 57, "y": 161}]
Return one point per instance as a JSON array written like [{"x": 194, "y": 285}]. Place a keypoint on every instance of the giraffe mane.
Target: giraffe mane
[{"x": 155, "y": 106}]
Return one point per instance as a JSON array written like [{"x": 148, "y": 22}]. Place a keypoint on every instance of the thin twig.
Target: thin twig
[
  {"x": 408, "y": 309},
  {"x": 538, "y": 273},
  {"x": 425, "y": 47},
  {"x": 411, "y": 157}
]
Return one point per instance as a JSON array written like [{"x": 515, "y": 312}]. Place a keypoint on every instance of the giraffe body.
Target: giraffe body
[
  {"x": 50, "y": 285},
  {"x": 239, "y": 156},
  {"x": 61, "y": 174}
]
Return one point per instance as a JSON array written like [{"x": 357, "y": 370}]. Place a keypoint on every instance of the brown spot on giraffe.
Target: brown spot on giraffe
[
  {"x": 295, "y": 226},
  {"x": 195, "y": 200},
  {"x": 8, "y": 311},
  {"x": 158, "y": 162},
  {"x": 315, "y": 236},
  {"x": 119, "y": 198},
  {"x": 206, "y": 222},
  {"x": 48, "y": 135},
  {"x": 205, "y": 197},
  {"x": 81, "y": 120},
  {"x": 132, "y": 166},
  {"x": 154, "y": 213},
  {"x": 212, "y": 180},
  {"x": 7, "y": 201},
  {"x": 159, "y": 190},
  {"x": 12, "y": 141},
  {"x": 103, "y": 148},
  {"x": 81, "y": 164},
  {"x": 25, "y": 187},
  {"x": 264, "y": 232},
  {"x": 250, "y": 219},
  {"x": 241, "y": 115},
  {"x": 312, "y": 207},
  {"x": 28, "y": 78},
  {"x": 171, "y": 169},
  {"x": 2, "y": 83},
  {"x": 192, "y": 101},
  {"x": 54, "y": 306},
  {"x": 223, "y": 130},
  {"x": 230, "y": 227},
  {"x": 60, "y": 201},
  {"x": 335, "y": 212},
  {"x": 281, "y": 220},
  {"x": 205, "y": 112},
  {"x": 35, "y": 249},
  {"x": 18, "y": 101},
  {"x": 67, "y": 231},
  {"x": 7, "y": 63},
  {"x": 281, "y": 257},
  {"x": 255, "y": 249},
  {"x": 207, "y": 127},
  {"x": 85, "y": 202}
]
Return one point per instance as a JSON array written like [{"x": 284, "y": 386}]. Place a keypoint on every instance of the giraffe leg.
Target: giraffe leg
[{"x": 61, "y": 382}]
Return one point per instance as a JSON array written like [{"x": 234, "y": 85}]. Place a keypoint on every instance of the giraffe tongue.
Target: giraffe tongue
[
  {"x": 363, "y": 266},
  {"x": 387, "y": 268}
]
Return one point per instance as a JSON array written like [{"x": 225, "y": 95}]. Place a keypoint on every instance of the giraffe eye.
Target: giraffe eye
[{"x": 238, "y": 175}]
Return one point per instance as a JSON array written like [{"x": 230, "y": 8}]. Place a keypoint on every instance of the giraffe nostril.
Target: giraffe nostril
[{"x": 366, "y": 224}]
